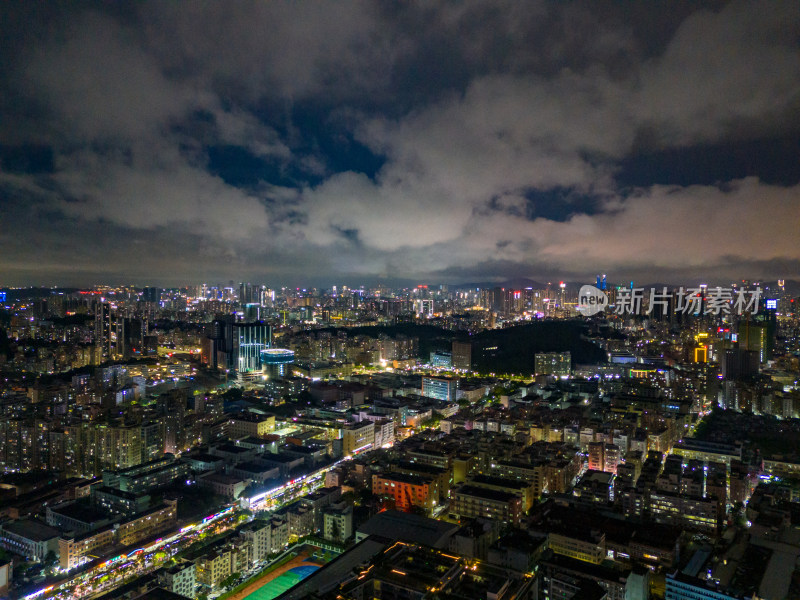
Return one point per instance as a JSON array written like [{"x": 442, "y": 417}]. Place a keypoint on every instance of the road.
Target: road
[{"x": 121, "y": 569}]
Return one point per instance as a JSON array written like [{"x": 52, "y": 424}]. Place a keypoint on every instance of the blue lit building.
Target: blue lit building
[
  {"x": 442, "y": 360},
  {"x": 275, "y": 360},
  {"x": 250, "y": 340},
  {"x": 683, "y": 587},
  {"x": 441, "y": 388}
]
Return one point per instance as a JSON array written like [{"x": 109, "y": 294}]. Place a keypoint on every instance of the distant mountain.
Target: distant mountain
[
  {"x": 33, "y": 293},
  {"x": 517, "y": 284},
  {"x": 791, "y": 286}
]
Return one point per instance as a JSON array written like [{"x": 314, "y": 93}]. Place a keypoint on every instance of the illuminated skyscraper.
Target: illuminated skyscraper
[
  {"x": 758, "y": 334},
  {"x": 423, "y": 308},
  {"x": 250, "y": 340},
  {"x": 102, "y": 330},
  {"x": 249, "y": 293},
  {"x": 110, "y": 332}
]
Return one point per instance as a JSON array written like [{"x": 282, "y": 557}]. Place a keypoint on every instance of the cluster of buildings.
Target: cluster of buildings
[
  {"x": 667, "y": 471},
  {"x": 90, "y": 517}
]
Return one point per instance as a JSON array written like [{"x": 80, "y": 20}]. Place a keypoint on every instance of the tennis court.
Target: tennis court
[{"x": 282, "y": 582}]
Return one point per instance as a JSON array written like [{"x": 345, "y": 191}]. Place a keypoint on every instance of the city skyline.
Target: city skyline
[{"x": 302, "y": 145}]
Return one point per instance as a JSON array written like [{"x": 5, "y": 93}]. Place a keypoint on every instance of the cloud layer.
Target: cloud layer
[{"x": 289, "y": 143}]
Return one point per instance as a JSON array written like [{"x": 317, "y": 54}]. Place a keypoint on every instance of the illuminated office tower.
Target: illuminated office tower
[
  {"x": 102, "y": 330},
  {"x": 110, "y": 332},
  {"x": 250, "y": 340},
  {"x": 423, "y": 307},
  {"x": 267, "y": 298},
  {"x": 252, "y": 312},
  {"x": 249, "y": 293},
  {"x": 755, "y": 337}
]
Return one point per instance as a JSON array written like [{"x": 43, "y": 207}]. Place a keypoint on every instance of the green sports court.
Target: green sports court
[{"x": 282, "y": 582}]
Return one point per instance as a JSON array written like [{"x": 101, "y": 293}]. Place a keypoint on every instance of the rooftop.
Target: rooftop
[
  {"x": 251, "y": 417},
  {"x": 221, "y": 478},
  {"x": 255, "y": 441},
  {"x": 79, "y": 512},
  {"x": 231, "y": 449},
  {"x": 204, "y": 457},
  {"x": 499, "y": 482},
  {"x": 405, "y": 478},
  {"x": 253, "y": 467},
  {"x": 394, "y": 525},
  {"x": 485, "y": 493},
  {"x": 31, "y": 530}
]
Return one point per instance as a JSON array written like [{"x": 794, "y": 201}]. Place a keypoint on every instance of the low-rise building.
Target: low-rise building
[
  {"x": 259, "y": 534},
  {"x": 223, "y": 485},
  {"x": 255, "y": 470},
  {"x": 213, "y": 567},
  {"x": 407, "y": 490},
  {"x": 76, "y": 517},
  {"x": 29, "y": 538},
  {"x": 147, "y": 524},
  {"x": 148, "y": 476},
  {"x": 338, "y": 522},
  {"x": 180, "y": 579},
  {"x": 115, "y": 501},
  {"x": 357, "y": 437},
  {"x": 595, "y": 487},
  {"x": 525, "y": 489},
  {"x": 586, "y": 546},
  {"x": 250, "y": 424},
  {"x": 74, "y": 550},
  {"x": 688, "y": 512},
  {"x": 469, "y": 501}
]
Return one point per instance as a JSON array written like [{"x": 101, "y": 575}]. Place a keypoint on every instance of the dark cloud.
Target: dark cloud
[{"x": 292, "y": 142}]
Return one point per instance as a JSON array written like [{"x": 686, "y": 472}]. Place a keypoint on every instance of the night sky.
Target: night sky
[{"x": 312, "y": 143}]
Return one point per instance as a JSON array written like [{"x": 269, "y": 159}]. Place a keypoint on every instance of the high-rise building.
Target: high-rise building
[
  {"x": 116, "y": 336},
  {"x": 171, "y": 406},
  {"x": 249, "y": 294},
  {"x": 252, "y": 312},
  {"x": 462, "y": 355},
  {"x": 739, "y": 363},
  {"x": 102, "y": 330},
  {"x": 219, "y": 348},
  {"x": 423, "y": 307},
  {"x": 755, "y": 336},
  {"x": 250, "y": 340},
  {"x": 118, "y": 446},
  {"x": 596, "y": 459},
  {"x": 151, "y": 294}
]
